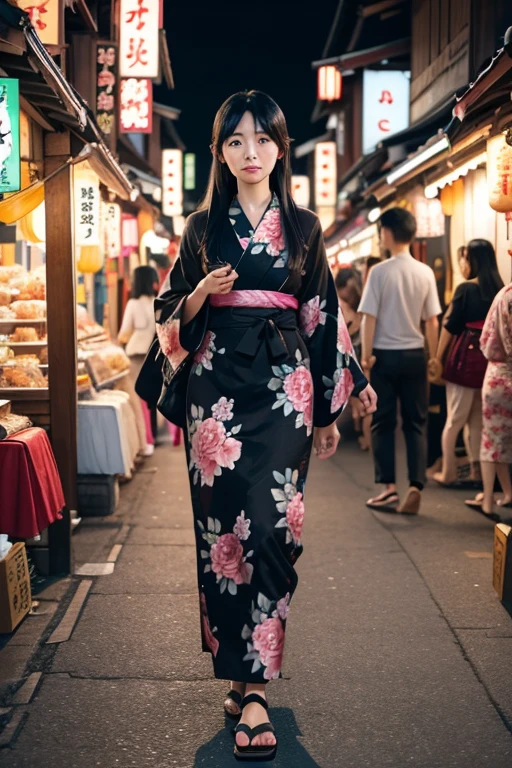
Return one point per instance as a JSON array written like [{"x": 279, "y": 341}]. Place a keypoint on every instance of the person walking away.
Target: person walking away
[
  {"x": 465, "y": 369},
  {"x": 496, "y": 445},
  {"x": 137, "y": 333},
  {"x": 400, "y": 294},
  {"x": 365, "y": 441}
]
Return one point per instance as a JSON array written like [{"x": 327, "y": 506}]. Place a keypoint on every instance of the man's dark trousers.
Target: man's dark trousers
[{"x": 400, "y": 375}]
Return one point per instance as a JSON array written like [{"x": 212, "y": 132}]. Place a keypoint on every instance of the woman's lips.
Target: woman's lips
[{"x": 252, "y": 169}]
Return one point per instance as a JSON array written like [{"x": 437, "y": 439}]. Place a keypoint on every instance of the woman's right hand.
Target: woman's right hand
[
  {"x": 435, "y": 370},
  {"x": 219, "y": 281}
]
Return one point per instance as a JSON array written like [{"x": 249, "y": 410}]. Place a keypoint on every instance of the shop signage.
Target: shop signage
[
  {"x": 189, "y": 162},
  {"x": 130, "y": 234},
  {"x": 87, "y": 207},
  {"x": 329, "y": 84},
  {"x": 10, "y": 166},
  {"x": 325, "y": 173},
  {"x": 106, "y": 86},
  {"x": 136, "y": 109},
  {"x": 385, "y": 105},
  {"x": 172, "y": 182},
  {"x": 430, "y": 219},
  {"x": 139, "y": 47},
  {"x": 301, "y": 190},
  {"x": 111, "y": 223},
  {"x": 46, "y": 17}
]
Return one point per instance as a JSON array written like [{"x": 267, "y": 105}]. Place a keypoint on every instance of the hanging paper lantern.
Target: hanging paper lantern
[
  {"x": 447, "y": 200},
  {"x": 90, "y": 260},
  {"x": 33, "y": 225},
  {"x": 499, "y": 174},
  {"x": 329, "y": 84}
]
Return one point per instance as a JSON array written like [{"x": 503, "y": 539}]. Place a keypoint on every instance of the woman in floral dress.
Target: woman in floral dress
[
  {"x": 496, "y": 445},
  {"x": 270, "y": 368}
]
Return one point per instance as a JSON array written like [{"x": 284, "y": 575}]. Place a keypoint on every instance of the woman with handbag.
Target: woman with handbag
[
  {"x": 496, "y": 445},
  {"x": 259, "y": 365},
  {"x": 465, "y": 366}
]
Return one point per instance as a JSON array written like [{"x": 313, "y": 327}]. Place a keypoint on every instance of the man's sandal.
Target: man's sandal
[
  {"x": 261, "y": 752},
  {"x": 233, "y": 705}
]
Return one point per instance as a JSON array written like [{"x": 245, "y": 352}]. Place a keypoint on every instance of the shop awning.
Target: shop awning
[
  {"x": 367, "y": 57},
  {"x": 500, "y": 65}
]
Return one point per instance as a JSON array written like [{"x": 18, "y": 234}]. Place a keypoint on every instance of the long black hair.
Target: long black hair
[
  {"x": 482, "y": 261},
  {"x": 144, "y": 282},
  {"x": 222, "y": 186}
]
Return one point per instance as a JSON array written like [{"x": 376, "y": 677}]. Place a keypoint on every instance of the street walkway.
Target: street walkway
[{"x": 398, "y": 649}]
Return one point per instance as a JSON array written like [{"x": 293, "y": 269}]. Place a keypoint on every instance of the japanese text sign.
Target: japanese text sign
[
  {"x": 111, "y": 225},
  {"x": 325, "y": 173},
  {"x": 139, "y": 48},
  {"x": 106, "y": 60},
  {"x": 136, "y": 112},
  {"x": 87, "y": 207},
  {"x": 385, "y": 105},
  {"x": 300, "y": 190},
  {"x": 46, "y": 18},
  {"x": 10, "y": 166},
  {"x": 172, "y": 182}
]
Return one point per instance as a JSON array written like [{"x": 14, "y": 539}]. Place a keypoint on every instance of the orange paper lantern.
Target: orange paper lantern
[
  {"x": 90, "y": 260},
  {"x": 329, "y": 84},
  {"x": 447, "y": 200}
]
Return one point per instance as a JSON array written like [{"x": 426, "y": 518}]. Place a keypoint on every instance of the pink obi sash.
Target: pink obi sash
[{"x": 255, "y": 299}]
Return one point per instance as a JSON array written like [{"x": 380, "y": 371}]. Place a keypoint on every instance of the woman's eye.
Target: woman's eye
[
  {"x": 234, "y": 143},
  {"x": 264, "y": 140}
]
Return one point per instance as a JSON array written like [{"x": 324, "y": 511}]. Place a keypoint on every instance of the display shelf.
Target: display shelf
[
  {"x": 108, "y": 382},
  {"x": 8, "y": 321},
  {"x": 25, "y": 393},
  {"x": 25, "y": 344}
]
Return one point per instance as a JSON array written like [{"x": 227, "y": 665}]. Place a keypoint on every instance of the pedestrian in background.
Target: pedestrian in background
[
  {"x": 496, "y": 445},
  {"x": 399, "y": 296},
  {"x": 365, "y": 441},
  {"x": 137, "y": 333},
  {"x": 464, "y": 369}
]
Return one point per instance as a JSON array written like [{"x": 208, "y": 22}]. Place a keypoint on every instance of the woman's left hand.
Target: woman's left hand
[
  {"x": 326, "y": 441},
  {"x": 366, "y": 403}
]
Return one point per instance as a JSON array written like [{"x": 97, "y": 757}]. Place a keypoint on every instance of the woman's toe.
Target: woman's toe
[{"x": 242, "y": 739}]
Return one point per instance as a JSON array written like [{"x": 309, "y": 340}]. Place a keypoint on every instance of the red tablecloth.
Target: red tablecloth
[{"x": 31, "y": 495}]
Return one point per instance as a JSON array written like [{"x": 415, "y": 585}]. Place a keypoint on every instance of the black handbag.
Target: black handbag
[
  {"x": 167, "y": 392},
  {"x": 151, "y": 378}
]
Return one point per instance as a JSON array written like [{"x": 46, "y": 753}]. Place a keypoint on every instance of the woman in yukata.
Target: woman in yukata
[{"x": 251, "y": 303}]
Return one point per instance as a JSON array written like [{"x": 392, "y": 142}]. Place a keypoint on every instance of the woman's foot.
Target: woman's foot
[
  {"x": 252, "y": 715},
  {"x": 385, "y": 501},
  {"x": 442, "y": 479},
  {"x": 478, "y": 504},
  {"x": 232, "y": 703}
]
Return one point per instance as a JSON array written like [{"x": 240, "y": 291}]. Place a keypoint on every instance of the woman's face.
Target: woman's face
[
  {"x": 465, "y": 268},
  {"x": 250, "y": 153}
]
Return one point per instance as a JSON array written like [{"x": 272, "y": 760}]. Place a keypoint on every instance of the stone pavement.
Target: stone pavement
[{"x": 398, "y": 650}]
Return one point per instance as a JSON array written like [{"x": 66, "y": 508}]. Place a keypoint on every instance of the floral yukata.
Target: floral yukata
[
  {"x": 270, "y": 361},
  {"x": 496, "y": 344}
]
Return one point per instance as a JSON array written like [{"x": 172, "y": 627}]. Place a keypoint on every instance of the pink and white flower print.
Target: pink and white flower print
[
  {"x": 169, "y": 339},
  {"x": 265, "y": 641},
  {"x": 212, "y": 448},
  {"x": 297, "y": 394},
  {"x": 269, "y": 233},
  {"x": 344, "y": 343},
  {"x": 290, "y": 504},
  {"x": 226, "y": 555},
  {"x": 312, "y": 315},
  {"x": 223, "y": 410},
  {"x": 211, "y": 640},
  {"x": 339, "y": 388},
  {"x": 204, "y": 355}
]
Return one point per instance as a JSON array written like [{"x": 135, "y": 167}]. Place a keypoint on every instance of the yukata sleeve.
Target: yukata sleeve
[
  {"x": 334, "y": 367},
  {"x": 496, "y": 338},
  {"x": 177, "y": 339}
]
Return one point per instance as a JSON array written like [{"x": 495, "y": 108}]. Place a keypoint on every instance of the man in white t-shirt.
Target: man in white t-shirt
[{"x": 400, "y": 296}]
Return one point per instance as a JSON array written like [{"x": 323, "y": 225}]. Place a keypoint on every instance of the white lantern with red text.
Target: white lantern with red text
[
  {"x": 325, "y": 173},
  {"x": 139, "y": 21},
  {"x": 329, "y": 84},
  {"x": 172, "y": 182},
  {"x": 301, "y": 190},
  {"x": 499, "y": 174}
]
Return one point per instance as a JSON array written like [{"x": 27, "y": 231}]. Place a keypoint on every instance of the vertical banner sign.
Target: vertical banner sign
[
  {"x": 172, "y": 182},
  {"x": 385, "y": 105},
  {"x": 87, "y": 207},
  {"x": 106, "y": 63},
  {"x": 46, "y": 17},
  {"x": 10, "y": 165},
  {"x": 139, "y": 46},
  {"x": 301, "y": 190},
  {"x": 111, "y": 224},
  {"x": 136, "y": 108},
  {"x": 325, "y": 173},
  {"x": 189, "y": 171}
]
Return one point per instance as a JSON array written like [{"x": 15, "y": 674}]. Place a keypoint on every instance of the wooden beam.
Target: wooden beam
[
  {"x": 384, "y": 5},
  {"x": 34, "y": 113},
  {"x": 62, "y": 344},
  {"x": 85, "y": 13}
]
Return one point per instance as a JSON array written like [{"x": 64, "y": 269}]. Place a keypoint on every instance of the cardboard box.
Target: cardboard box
[
  {"x": 15, "y": 592},
  {"x": 502, "y": 562}
]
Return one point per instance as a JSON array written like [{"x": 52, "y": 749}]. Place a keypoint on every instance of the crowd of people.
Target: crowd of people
[{"x": 392, "y": 310}]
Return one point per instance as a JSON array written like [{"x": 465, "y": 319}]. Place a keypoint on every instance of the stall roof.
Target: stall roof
[{"x": 369, "y": 56}]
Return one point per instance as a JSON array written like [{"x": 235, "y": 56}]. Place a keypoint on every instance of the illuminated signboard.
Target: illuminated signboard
[
  {"x": 10, "y": 166},
  {"x": 172, "y": 182},
  {"x": 46, "y": 17},
  {"x": 189, "y": 162},
  {"x": 301, "y": 190},
  {"x": 87, "y": 206},
  {"x": 139, "y": 47},
  {"x": 385, "y": 105},
  {"x": 136, "y": 108},
  {"x": 325, "y": 173},
  {"x": 106, "y": 68}
]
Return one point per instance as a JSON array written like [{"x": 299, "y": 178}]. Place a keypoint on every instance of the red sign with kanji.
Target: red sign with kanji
[{"x": 136, "y": 110}]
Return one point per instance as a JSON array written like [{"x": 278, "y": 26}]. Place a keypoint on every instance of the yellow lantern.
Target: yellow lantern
[
  {"x": 329, "y": 84},
  {"x": 91, "y": 259},
  {"x": 33, "y": 225},
  {"x": 447, "y": 200},
  {"x": 499, "y": 174}
]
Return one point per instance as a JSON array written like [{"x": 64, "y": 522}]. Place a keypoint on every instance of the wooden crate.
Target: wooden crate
[
  {"x": 15, "y": 592},
  {"x": 502, "y": 562}
]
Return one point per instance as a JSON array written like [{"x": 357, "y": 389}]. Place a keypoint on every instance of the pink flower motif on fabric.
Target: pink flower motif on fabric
[
  {"x": 295, "y": 517},
  {"x": 212, "y": 450},
  {"x": 268, "y": 641},
  {"x": 244, "y": 242},
  {"x": 242, "y": 527},
  {"x": 290, "y": 504},
  {"x": 269, "y": 232},
  {"x": 342, "y": 390},
  {"x": 223, "y": 410},
  {"x": 283, "y": 608},
  {"x": 227, "y": 556},
  {"x": 299, "y": 390},
  {"x": 169, "y": 338},
  {"x": 311, "y": 316},
  {"x": 344, "y": 341},
  {"x": 211, "y": 640},
  {"x": 204, "y": 355}
]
